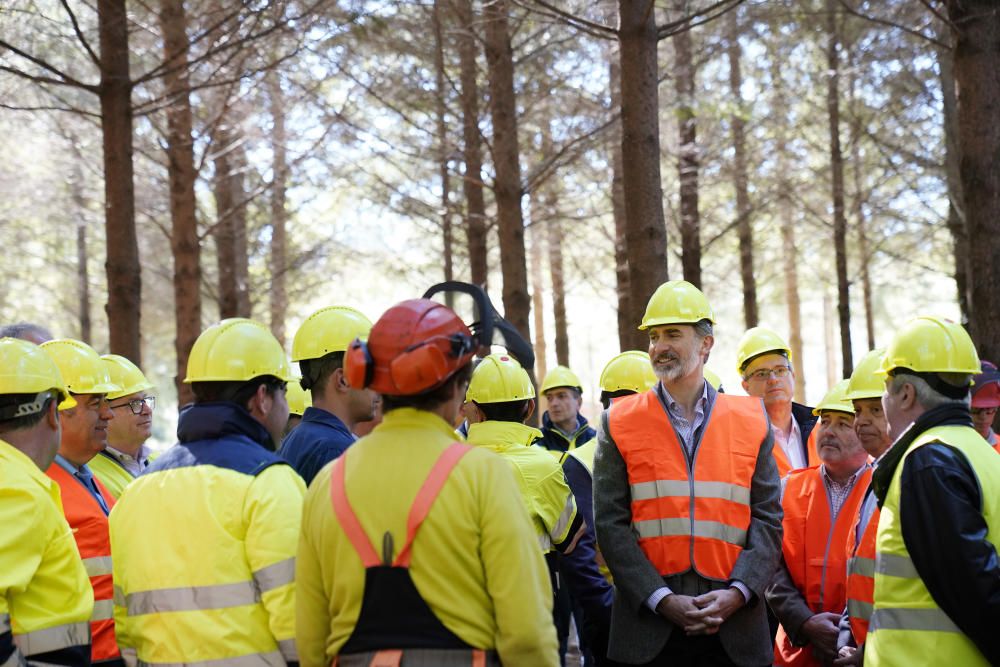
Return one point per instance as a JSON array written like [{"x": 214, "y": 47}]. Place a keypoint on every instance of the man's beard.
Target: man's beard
[{"x": 678, "y": 369}]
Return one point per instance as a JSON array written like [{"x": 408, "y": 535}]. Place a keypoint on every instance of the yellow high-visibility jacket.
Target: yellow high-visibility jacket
[
  {"x": 203, "y": 546},
  {"x": 544, "y": 491},
  {"x": 45, "y": 594},
  {"x": 112, "y": 475},
  {"x": 476, "y": 561}
]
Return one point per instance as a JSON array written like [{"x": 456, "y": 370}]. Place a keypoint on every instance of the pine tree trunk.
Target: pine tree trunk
[
  {"x": 510, "y": 223},
  {"x": 231, "y": 226},
  {"x": 859, "y": 207},
  {"x": 444, "y": 148},
  {"x": 687, "y": 157},
  {"x": 645, "y": 233},
  {"x": 82, "y": 270},
  {"x": 837, "y": 179},
  {"x": 537, "y": 300},
  {"x": 181, "y": 173},
  {"x": 953, "y": 177},
  {"x": 122, "y": 266},
  {"x": 628, "y": 335},
  {"x": 472, "y": 184},
  {"x": 279, "y": 251},
  {"x": 740, "y": 175},
  {"x": 977, "y": 75}
]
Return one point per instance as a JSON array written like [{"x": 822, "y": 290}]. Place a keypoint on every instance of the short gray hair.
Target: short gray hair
[
  {"x": 703, "y": 328},
  {"x": 927, "y": 396}
]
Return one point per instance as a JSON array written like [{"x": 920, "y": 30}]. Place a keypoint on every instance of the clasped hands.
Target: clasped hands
[{"x": 702, "y": 615}]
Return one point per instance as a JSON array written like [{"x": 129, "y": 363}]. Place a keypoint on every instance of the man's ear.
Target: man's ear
[
  {"x": 339, "y": 380},
  {"x": 52, "y": 416},
  {"x": 260, "y": 402},
  {"x": 529, "y": 409},
  {"x": 908, "y": 399}
]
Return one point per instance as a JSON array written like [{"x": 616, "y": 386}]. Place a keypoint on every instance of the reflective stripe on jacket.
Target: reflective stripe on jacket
[
  {"x": 861, "y": 578},
  {"x": 907, "y": 627},
  {"x": 204, "y": 544},
  {"x": 45, "y": 596},
  {"x": 690, "y": 514},
  {"x": 813, "y": 550},
  {"x": 90, "y": 528}
]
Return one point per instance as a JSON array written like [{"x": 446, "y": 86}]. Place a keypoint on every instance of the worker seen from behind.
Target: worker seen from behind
[
  {"x": 413, "y": 550},
  {"x": 865, "y": 393},
  {"x": 985, "y": 401},
  {"x": 937, "y": 576},
  {"x": 298, "y": 400},
  {"x": 204, "y": 540},
  {"x": 327, "y": 426},
  {"x": 820, "y": 504},
  {"x": 502, "y": 396},
  {"x": 126, "y": 456},
  {"x": 46, "y": 598},
  {"x": 563, "y": 427},
  {"x": 686, "y": 500},
  {"x": 86, "y": 501},
  {"x": 764, "y": 361}
]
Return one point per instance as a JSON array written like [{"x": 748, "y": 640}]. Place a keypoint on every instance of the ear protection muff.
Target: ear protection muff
[{"x": 359, "y": 367}]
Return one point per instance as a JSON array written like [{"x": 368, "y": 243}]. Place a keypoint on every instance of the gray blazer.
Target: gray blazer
[{"x": 638, "y": 635}]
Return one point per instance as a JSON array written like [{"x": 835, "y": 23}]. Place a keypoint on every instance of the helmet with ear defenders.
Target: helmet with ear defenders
[{"x": 413, "y": 348}]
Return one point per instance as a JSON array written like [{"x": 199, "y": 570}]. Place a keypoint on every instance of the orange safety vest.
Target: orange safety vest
[
  {"x": 814, "y": 551},
  {"x": 784, "y": 467},
  {"x": 90, "y": 528},
  {"x": 690, "y": 516},
  {"x": 861, "y": 578}
]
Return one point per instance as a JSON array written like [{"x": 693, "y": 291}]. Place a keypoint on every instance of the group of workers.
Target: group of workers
[{"x": 388, "y": 505}]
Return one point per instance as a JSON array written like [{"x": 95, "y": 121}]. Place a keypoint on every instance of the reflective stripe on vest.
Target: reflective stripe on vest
[
  {"x": 905, "y": 614},
  {"x": 269, "y": 659},
  {"x": 15, "y": 659},
  {"x": 103, "y": 610},
  {"x": 690, "y": 515},
  {"x": 862, "y": 566},
  {"x": 53, "y": 639},
  {"x": 90, "y": 529},
  {"x": 861, "y": 576}
]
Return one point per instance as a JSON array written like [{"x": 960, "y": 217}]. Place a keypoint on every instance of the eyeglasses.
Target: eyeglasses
[
  {"x": 765, "y": 374},
  {"x": 137, "y": 404}
]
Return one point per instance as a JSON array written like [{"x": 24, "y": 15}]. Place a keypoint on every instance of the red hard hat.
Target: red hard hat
[
  {"x": 413, "y": 348},
  {"x": 986, "y": 387}
]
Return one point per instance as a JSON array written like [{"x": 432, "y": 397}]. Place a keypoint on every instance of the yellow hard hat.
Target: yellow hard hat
[
  {"x": 866, "y": 382},
  {"x": 25, "y": 368},
  {"x": 628, "y": 371},
  {"x": 931, "y": 345},
  {"x": 498, "y": 379},
  {"x": 835, "y": 400},
  {"x": 126, "y": 375},
  {"x": 560, "y": 376},
  {"x": 298, "y": 398},
  {"x": 712, "y": 377},
  {"x": 237, "y": 350},
  {"x": 676, "y": 302},
  {"x": 758, "y": 341},
  {"x": 330, "y": 329},
  {"x": 80, "y": 366}
]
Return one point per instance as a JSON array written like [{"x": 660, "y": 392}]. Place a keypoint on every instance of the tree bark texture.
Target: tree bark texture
[
  {"x": 860, "y": 197},
  {"x": 510, "y": 223},
  {"x": 279, "y": 215},
  {"x": 646, "y": 233},
  {"x": 231, "y": 225},
  {"x": 537, "y": 240},
  {"x": 184, "y": 240},
  {"x": 629, "y": 337},
  {"x": 444, "y": 148},
  {"x": 741, "y": 178},
  {"x": 837, "y": 182},
  {"x": 953, "y": 176},
  {"x": 122, "y": 263},
  {"x": 977, "y": 76},
  {"x": 472, "y": 152},
  {"x": 687, "y": 157},
  {"x": 82, "y": 270},
  {"x": 554, "y": 233}
]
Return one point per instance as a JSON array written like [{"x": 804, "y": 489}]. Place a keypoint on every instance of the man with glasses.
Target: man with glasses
[
  {"x": 763, "y": 360},
  {"x": 985, "y": 400},
  {"x": 125, "y": 457},
  {"x": 86, "y": 501},
  {"x": 204, "y": 540}
]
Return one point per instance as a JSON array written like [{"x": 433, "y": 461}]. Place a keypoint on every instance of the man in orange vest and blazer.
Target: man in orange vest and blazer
[
  {"x": 820, "y": 503},
  {"x": 86, "y": 501},
  {"x": 686, "y": 504}
]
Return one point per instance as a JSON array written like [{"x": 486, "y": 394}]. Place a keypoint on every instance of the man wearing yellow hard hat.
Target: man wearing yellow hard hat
[
  {"x": 686, "y": 503},
  {"x": 563, "y": 427},
  {"x": 937, "y": 576},
  {"x": 204, "y": 540},
  {"x": 125, "y": 457},
  {"x": 46, "y": 599},
  {"x": 820, "y": 503}
]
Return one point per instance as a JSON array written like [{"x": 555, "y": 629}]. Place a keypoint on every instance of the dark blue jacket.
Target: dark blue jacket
[
  {"x": 553, "y": 439},
  {"x": 318, "y": 439},
  {"x": 218, "y": 434}
]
